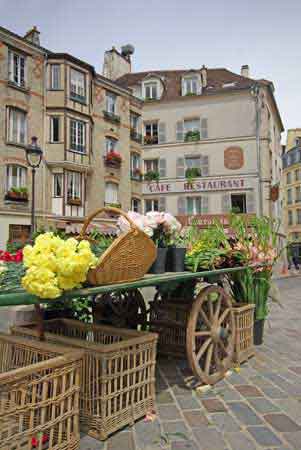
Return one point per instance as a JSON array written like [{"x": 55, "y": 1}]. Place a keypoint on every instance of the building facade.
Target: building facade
[
  {"x": 87, "y": 125},
  {"x": 211, "y": 140},
  {"x": 291, "y": 182}
]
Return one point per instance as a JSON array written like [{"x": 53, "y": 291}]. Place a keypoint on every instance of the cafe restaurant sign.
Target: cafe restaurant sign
[{"x": 222, "y": 184}]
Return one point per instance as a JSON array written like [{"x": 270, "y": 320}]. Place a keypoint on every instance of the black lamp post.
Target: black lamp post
[{"x": 34, "y": 156}]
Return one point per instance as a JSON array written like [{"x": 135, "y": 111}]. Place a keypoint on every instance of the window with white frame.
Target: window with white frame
[
  {"x": 111, "y": 144},
  {"x": 111, "y": 101},
  {"x": 16, "y": 177},
  {"x": 78, "y": 136},
  {"x": 193, "y": 166},
  {"x": 135, "y": 119},
  {"x": 74, "y": 185},
  {"x": 16, "y": 68},
  {"x": 194, "y": 205},
  {"x": 17, "y": 128},
  {"x": 54, "y": 129},
  {"x": 57, "y": 190},
  {"x": 151, "y": 90},
  {"x": 136, "y": 205},
  {"x": 77, "y": 85},
  {"x": 190, "y": 85},
  {"x": 111, "y": 193},
  {"x": 151, "y": 205},
  {"x": 151, "y": 133},
  {"x": 192, "y": 125},
  {"x": 289, "y": 196},
  {"x": 151, "y": 165},
  {"x": 55, "y": 76},
  {"x": 135, "y": 166}
]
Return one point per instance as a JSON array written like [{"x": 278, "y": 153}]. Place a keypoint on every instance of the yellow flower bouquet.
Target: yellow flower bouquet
[{"x": 54, "y": 265}]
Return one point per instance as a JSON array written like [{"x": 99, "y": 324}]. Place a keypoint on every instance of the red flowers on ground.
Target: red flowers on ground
[{"x": 9, "y": 257}]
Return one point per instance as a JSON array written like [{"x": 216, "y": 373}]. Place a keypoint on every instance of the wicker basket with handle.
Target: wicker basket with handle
[{"x": 127, "y": 259}]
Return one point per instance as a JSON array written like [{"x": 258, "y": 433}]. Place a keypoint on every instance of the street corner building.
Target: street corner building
[
  {"x": 212, "y": 140},
  {"x": 88, "y": 127}
]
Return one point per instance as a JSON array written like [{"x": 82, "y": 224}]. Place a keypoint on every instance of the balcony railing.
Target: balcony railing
[
  {"x": 150, "y": 140},
  {"x": 74, "y": 201},
  {"x": 135, "y": 136},
  {"x": 111, "y": 117}
]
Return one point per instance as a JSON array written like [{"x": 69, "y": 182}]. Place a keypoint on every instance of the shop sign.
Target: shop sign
[
  {"x": 223, "y": 184},
  {"x": 233, "y": 158}
]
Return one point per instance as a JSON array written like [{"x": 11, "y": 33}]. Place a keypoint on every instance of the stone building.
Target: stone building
[
  {"x": 87, "y": 125},
  {"x": 211, "y": 139},
  {"x": 291, "y": 183}
]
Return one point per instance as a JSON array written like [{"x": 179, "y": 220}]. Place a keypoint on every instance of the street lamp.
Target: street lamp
[{"x": 34, "y": 156}]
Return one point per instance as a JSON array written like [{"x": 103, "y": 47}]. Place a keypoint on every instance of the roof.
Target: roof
[{"x": 218, "y": 80}]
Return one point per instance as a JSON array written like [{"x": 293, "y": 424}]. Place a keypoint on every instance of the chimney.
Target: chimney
[
  {"x": 204, "y": 76},
  {"x": 33, "y": 36},
  {"x": 245, "y": 71},
  {"x": 116, "y": 64}
]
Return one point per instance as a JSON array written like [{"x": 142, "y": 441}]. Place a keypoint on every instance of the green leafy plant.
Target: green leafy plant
[
  {"x": 192, "y": 135},
  {"x": 152, "y": 175}
]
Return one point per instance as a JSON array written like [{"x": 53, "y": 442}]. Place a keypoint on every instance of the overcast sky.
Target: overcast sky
[{"x": 170, "y": 34}]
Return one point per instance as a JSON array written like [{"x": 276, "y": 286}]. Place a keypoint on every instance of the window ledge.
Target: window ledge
[
  {"x": 71, "y": 150},
  {"x": 24, "y": 89},
  {"x": 55, "y": 90}
]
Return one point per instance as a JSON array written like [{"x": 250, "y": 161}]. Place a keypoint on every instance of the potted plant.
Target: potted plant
[
  {"x": 192, "y": 173},
  {"x": 17, "y": 194},
  {"x": 192, "y": 135},
  {"x": 136, "y": 173},
  {"x": 152, "y": 175}
]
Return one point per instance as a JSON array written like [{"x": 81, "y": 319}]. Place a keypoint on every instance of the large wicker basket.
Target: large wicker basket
[
  {"x": 127, "y": 259},
  {"x": 39, "y": 395},
  {"x": 244, "y": 321},
  {"x": 118, "y": 377}
]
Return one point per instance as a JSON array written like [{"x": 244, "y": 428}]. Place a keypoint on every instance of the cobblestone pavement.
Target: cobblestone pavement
[{"x": 256, "y": 407}]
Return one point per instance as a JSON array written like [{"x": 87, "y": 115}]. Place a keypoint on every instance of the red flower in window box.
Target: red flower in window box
[{"x": 113, "y": 159}]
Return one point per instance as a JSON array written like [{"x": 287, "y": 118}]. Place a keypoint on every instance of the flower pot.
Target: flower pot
[
  {"x": 176, "y": 259},
  {"x": 258, "y": 331},
  {"x": 159, "y": 266}
]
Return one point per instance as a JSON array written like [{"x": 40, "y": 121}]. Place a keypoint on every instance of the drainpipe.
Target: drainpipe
[
  {"x": 255, "y": 94},
  {"x": 44, "y": 182}
]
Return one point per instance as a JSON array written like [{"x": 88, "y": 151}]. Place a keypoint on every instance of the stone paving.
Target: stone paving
[{"x": 257, "y": 406}]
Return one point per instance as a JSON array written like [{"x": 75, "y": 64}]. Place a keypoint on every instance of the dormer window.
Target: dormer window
[
  {"x": 151, "y": 90},
  {"x": 191, "y": 85}
]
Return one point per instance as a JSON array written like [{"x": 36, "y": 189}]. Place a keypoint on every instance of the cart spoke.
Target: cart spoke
[
  {"x": 202, "y": 333},
  {"x": 205, "y": 318},
  {"x": 210, "y": 304},
  {"x": 209, "y": 358},
  {"x": 203, "y": 349},
  {"x": 218, "y": 308},
  {"x": 222, "y": 345},
  {"x": 224, "y": 315}
]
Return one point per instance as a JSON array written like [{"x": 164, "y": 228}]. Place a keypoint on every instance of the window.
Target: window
[
  {"x": 151, "y": 90},
  {"x": 238, "y": 203},
  {"x": 136, "y": 204},
  {"x": 190, "y": 85},
  {"x": 77, "y": 85},
  {"x": 16, "y": 68},
  {"x": 151, "y": 133},
  {"x": 193, "y": 166},
  {"x": 297, "y": 175},
  {"x": 16, "y": 177},
  {"x": 134, "y": 118},
  {"x": 17, "y": 126},
  {"x": 289, "y": 197},
  {"x": 192, "y": 125},
  {"x": 289, "y": 178},
  {"x": 298, "y": 194},
  {"x": 58, "y": 184},
  {"x": 19, "y": 233},
  {"x": 111, "y": 194},
  {"x": 111, "y": 144},
  {"x": 77, "y": 136},
  {"x": 194, "y": 205},
  {"x": 151, "y": 165},
  {"x": 55, "y": 76},
  {"x": 54, "y": 129},
  {"x": 135, "y": 166},
  {"x": 151, "y": 205},
  {"x": 299, "y": 216},
  {"x": 74, "y": 185},
  {"x": 111, "y": 103},
  {"x": 290, "y": 217}
]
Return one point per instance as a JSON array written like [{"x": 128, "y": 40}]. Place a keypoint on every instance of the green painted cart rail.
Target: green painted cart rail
[{"x": 21, "y": 297}]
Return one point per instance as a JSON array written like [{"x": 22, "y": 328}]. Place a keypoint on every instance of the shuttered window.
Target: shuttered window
[
  {"x": 111, "y": 193},
  {"x": 161, "y": 133},
  {"x": 197, "y": 205},
  {"x": 162, "y": 167},
  {"x": 17, "y": 129},
  {"x": 226, "y": 203}
]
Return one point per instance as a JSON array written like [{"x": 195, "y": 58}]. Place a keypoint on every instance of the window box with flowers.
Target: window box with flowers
[
  {"x": 74, "y": 201},
  {"x": 150, "y": 140},
  {"x": 17, "y": 194},
  {"x": 152, "y": 176},
  {"x": 192, "y": 136},
  {"x": 113, "y": 159}
]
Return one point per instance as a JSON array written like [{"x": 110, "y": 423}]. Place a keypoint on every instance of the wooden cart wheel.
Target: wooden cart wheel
[
  {"x": 210, "y": 335},
  {"x": 121, "y": 309}
]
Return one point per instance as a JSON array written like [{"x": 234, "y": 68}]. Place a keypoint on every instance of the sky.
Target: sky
[{"x": 170, "y": 34}]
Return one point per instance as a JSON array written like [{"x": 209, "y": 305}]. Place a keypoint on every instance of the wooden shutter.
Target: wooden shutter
[
  {"x": 162, "y": 167},
  {"x": 181, "y": 206},
  {"x": 180, "y": 167},
  {"x": 250, "y": 203},
  {"x": 205, "y": 166},
  {"x": 226, "y": 203},
  {"x": 204, "y": 128},
  {"x": 161, "y": 133},
  {"x": 162, "y": 204},
  {"x": 205, "y": 204},
  {"x": 180, "y": 130}
]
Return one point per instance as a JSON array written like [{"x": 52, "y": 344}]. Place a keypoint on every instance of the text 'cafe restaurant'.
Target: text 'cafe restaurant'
[{"x": 214, "y": 196}]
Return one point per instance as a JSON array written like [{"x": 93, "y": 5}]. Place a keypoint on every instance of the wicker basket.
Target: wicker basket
[
  {"x": 118, "y": 378},
  {"x": 128, "y": 258},
  {"x": 244, "y": 321},
  {"x": 169, "y": 320},
  {"x": 39, "y": 395}
]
